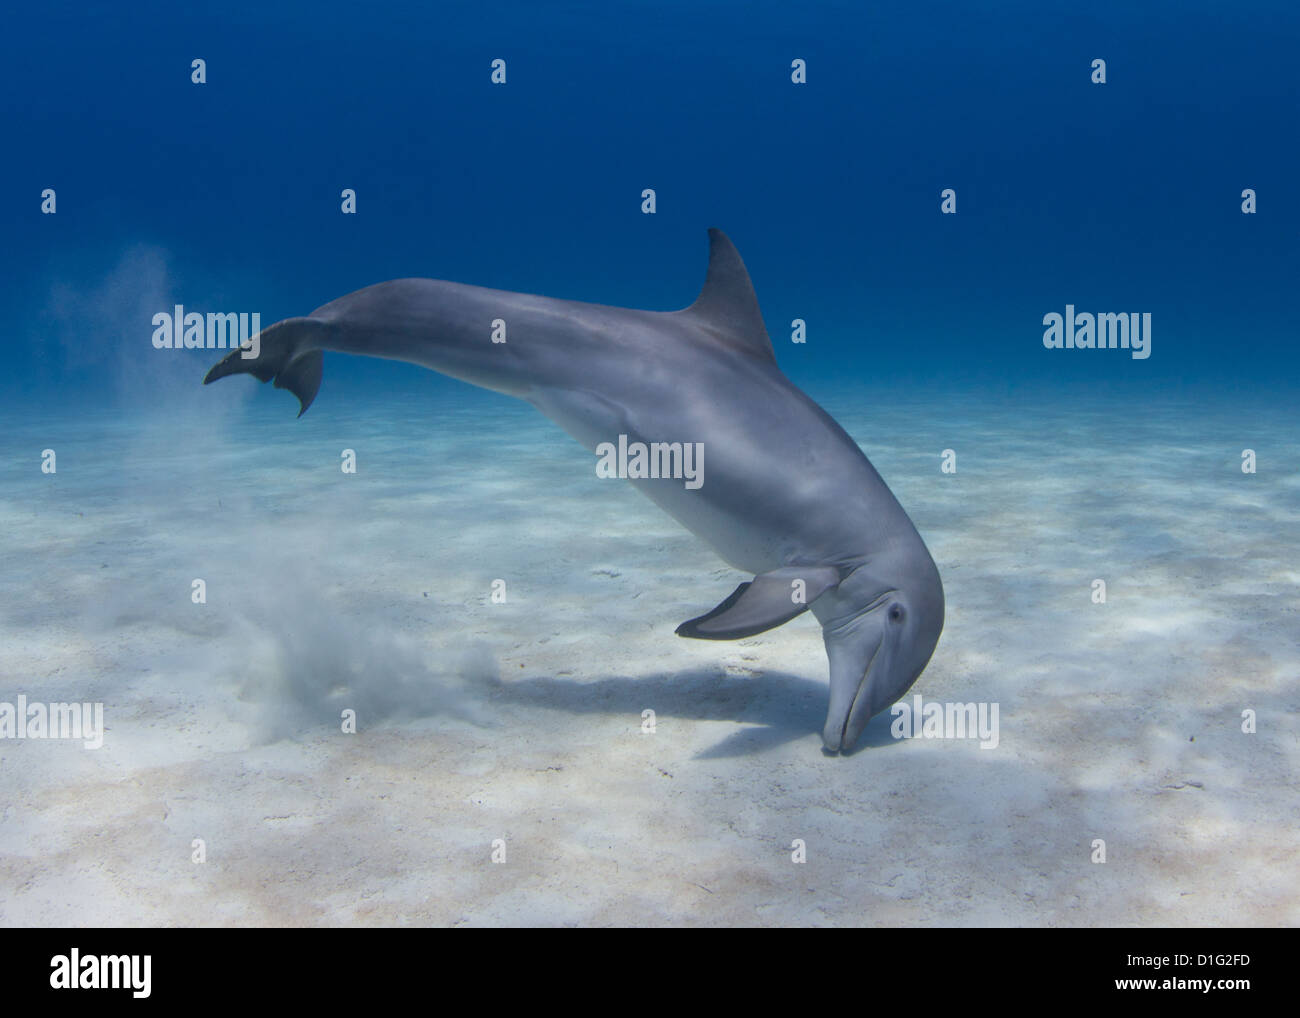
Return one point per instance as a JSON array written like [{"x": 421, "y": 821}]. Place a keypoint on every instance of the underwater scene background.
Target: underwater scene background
[{"x": 937, "y": 205}]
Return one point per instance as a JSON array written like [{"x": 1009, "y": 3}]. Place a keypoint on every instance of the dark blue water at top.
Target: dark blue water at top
[{"x": 1115, "y": 197}]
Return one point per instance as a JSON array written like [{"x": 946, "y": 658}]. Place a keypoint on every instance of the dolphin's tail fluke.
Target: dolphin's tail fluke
[{"x": 285, "y": 352}]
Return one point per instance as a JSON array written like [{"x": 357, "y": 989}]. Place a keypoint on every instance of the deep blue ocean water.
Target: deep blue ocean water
[{"x": 225, "y": 196}]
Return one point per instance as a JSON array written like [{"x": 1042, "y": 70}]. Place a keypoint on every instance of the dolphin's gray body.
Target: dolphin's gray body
[{"x": 787, "y": 494}]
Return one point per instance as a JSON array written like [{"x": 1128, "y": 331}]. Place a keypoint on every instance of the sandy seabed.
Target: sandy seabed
[{"x": 523, "y": 721}]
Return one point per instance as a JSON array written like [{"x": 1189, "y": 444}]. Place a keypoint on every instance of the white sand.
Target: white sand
[{"x": 522, "y": 721}]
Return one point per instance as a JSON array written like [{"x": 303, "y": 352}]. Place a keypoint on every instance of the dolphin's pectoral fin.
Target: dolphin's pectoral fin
[
  {"x": 284, "y": 355},
  {"x": 768, "y": 601}
]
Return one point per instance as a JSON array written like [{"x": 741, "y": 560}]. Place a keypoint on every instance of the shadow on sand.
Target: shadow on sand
[{"x": 774, "y": 707}]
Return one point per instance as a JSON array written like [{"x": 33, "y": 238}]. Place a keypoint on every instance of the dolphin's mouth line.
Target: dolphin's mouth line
[
  {"x": 862, "y": 684},
  {"x": 877, "y": 603}
]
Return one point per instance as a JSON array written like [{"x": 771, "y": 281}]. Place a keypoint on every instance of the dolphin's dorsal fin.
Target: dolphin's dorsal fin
[{"x": 727, "y": 305}]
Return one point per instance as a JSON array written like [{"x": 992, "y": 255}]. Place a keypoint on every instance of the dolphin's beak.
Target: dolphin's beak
[{"x": 861, "y": 658}]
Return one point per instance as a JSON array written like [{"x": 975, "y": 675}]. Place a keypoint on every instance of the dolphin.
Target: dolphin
[{"x": 787, "y": 496}]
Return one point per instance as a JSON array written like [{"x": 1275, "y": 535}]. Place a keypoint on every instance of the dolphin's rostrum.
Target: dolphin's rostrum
[{"x": 787, "y": 494}]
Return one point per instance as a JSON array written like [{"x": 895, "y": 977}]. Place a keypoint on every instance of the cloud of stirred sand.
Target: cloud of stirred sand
[{"x": 308, "y": 659}]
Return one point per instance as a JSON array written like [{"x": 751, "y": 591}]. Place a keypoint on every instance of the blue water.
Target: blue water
[{"x": 1123, "y": 196}]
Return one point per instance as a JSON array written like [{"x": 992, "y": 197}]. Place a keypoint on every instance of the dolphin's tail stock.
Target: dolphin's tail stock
[{"x": 289, "y": 352}]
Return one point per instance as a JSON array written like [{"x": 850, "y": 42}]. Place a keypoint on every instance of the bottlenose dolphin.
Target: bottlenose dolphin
[{"x": 787, "y": 494}]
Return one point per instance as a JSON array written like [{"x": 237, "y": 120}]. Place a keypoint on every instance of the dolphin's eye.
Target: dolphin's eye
[{"x": 896, "y": 612}]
